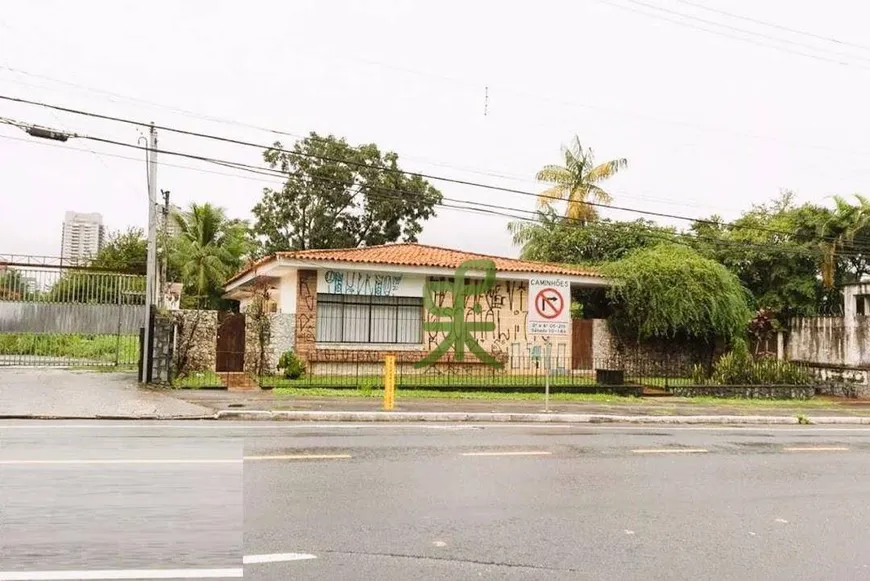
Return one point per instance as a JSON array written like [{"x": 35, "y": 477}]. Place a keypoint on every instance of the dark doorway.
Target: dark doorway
[
  {"x": 230, "y": 342},
  {"x": 581, "y": 344}
]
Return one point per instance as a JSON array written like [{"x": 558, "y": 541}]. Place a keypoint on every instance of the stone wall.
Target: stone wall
[
  {"x": 163, "y": 350},
  {"x": 282, "y": 337},
  {"x": 746, "y": 391},
  {"x": 673, "y": 357},
  {"x": 196, "y": 340}
]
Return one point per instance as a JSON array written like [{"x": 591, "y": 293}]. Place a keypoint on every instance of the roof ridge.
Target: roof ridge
[{"x": 421, "y": 245}]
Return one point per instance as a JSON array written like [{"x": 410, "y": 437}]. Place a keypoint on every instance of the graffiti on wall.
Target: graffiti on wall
[
  {"x": 452, "y": 323},
  {"x": 362, "y": 283}
]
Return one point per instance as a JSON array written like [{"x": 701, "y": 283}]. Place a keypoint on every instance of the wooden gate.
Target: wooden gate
[
  {"x": 230, "y": 342},
  {"x": 581, "y": 344}
]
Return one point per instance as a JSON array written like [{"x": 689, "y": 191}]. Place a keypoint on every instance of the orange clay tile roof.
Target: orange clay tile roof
[{"x": 422, "y": 255}]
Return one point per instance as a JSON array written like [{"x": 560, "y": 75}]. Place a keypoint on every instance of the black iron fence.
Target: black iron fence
[
  {"x": 52, "y": 316},
  {"x": 361, "y": 370}
]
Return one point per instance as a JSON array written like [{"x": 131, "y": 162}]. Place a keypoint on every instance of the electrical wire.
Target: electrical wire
[
  {"x": 528, "y": 216},
  {"x": 774, "y": 25},
  {"x": 725, "y": 34},
  {"x": 363, "y": 165}
]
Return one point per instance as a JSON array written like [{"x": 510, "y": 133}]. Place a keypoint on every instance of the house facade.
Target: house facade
[{"x": 353, "y": 306}]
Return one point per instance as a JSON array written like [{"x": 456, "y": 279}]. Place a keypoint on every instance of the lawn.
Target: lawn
[
  {"x": 434, "y": 394},
  {"x": 77, "y": 348},
  {"x": 666, "y": 404}
]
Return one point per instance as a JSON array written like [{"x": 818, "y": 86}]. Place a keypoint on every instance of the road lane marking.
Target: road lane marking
[
  {"x": 122, "y": 461},
  {"x": 671, "y": 451},
  {"x": 120, "y": 574},
  {"x": 527, "y": 453},
  {"x": 816, "y": 449},
  {"x": 276, "y": 558},
  {"x": 301, "y": 457}
]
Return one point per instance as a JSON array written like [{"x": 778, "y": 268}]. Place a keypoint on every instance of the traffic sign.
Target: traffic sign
[{"x": 548, "y": 306}]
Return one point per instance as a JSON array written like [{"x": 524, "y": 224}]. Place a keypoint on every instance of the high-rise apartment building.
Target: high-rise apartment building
[{"x": 82, "y": 238}]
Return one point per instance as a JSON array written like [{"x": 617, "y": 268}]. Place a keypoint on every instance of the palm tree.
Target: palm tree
[
  {"x": 846, "y": 222},
  {"x": 208, "y": 249},
  {"x": 577, "y": 182}
]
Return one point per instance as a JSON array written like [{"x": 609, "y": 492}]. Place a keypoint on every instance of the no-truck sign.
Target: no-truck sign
[{"x": 548, "y": 306}]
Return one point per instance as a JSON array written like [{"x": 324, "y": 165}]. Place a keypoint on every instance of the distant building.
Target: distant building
[
  {"x": 82, "y": 238},
  {"x": 171, "y": 225}
]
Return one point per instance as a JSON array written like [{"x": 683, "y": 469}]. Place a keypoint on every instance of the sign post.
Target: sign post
[{"x": 549, "y": 315}]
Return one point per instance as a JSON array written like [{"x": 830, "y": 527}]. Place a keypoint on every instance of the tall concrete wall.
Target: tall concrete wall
[
  {"x": 23, "y": 317},
  {"x": 841, "y": 341}
]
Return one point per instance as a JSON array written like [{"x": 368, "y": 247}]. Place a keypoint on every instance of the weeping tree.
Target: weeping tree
[{"x": 672, "y": 292}]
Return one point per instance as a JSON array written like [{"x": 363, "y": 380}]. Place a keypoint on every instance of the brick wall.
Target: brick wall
[{"x": 306, "y": 313}]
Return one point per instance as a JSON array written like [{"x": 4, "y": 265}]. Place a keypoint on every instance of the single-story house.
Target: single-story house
[{"x": 358, "y": 304}]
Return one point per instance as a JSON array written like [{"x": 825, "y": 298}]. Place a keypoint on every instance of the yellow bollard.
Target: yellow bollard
[{"x": 389, "y": 382}]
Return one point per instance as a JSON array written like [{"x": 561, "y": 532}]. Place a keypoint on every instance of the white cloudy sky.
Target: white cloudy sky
[{"x": 708, "y": 122}]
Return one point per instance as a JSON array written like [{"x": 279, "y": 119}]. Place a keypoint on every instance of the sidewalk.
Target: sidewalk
[
  {"x": 66, "y": 394},
  {"x": 265, "y": 401}
]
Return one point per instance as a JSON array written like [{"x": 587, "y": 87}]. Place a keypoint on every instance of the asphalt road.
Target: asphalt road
[{"x": 393, "y": 502}]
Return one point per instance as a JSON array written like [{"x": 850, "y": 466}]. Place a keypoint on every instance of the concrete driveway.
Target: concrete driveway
[{"x": 61, "y": 393}]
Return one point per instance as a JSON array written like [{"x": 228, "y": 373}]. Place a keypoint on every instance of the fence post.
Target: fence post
[{"x": 389, "y": 381}]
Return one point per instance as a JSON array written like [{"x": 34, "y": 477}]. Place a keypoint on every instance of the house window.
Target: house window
[{"x": 361, "y": 319}]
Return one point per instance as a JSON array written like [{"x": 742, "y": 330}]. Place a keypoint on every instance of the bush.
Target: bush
[
  {"x": 738, "y": 368},
  {"x": 291, "y": 364}
]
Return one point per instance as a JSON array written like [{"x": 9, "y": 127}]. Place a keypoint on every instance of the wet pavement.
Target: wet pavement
[{"x": 81, "y": 394}]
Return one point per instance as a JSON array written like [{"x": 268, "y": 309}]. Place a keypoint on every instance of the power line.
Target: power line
[
  {"x": 727, "y": 35},
  {"x": 354, "y": 164},
  {"x": 360, "y": 165},
  {"x": 528, "y": 216},
  {"x": 774, "y": 25}
]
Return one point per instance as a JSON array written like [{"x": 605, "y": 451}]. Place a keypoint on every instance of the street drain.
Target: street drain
[{"x": 236, "y": 405}]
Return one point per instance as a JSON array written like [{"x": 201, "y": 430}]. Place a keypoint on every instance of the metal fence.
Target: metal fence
[
  {"x": 51, "y": 316},
  {"x": 359, "y": 370}
]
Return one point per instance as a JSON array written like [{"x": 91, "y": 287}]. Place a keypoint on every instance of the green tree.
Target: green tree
[
  {"x": 774, "y": 250},
  {"x": 671, "y": 291},
  {"x": 208, "y": 249},
  {"x": 13, "y": 286},
  {"x": 124, "y": 252},
  {"x": 845, "y": 239},
  {"x": 338, "y": 195},
  {"x": 556, "y": 239},
  {"x": 577, "y": 182},
  {"x": 119, "y": 278}
]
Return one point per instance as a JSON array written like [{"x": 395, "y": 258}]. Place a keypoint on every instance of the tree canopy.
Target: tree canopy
[
  {"x": 208, "y": 249},
  {"x": 672, "y": 291},
  {"x": 554, "y": 239},
  {"x": 338, "y": 195},
  {"x": 775, "y": 251}
]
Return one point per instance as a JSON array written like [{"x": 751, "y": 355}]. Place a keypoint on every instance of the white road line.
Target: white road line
[
  {"x": 672, "y": 451},
  {"x": 276, "y": 558},
  {"x": 529, "y": 453},
  {"x": 817, "y": 449},
  {"x": 301, "y": 457},
  {"x": 121, "y": 461},
  {"x": 120, "y": 574}
]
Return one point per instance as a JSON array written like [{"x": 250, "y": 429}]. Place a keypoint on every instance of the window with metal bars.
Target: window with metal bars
[{"x": 362, "y": 319}]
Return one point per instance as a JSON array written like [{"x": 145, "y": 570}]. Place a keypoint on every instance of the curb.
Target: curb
[
  {"x": 460, "y": 417},
  {"x": 328, "y": 416}
]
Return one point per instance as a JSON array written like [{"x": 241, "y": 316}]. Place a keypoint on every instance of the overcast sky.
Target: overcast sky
[{"x": 708, "y": 122}]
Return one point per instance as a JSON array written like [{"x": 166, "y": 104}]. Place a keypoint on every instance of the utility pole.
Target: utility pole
[
  {"x": 164, "y": 266},
  {"x": 151, "y": 268}
]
